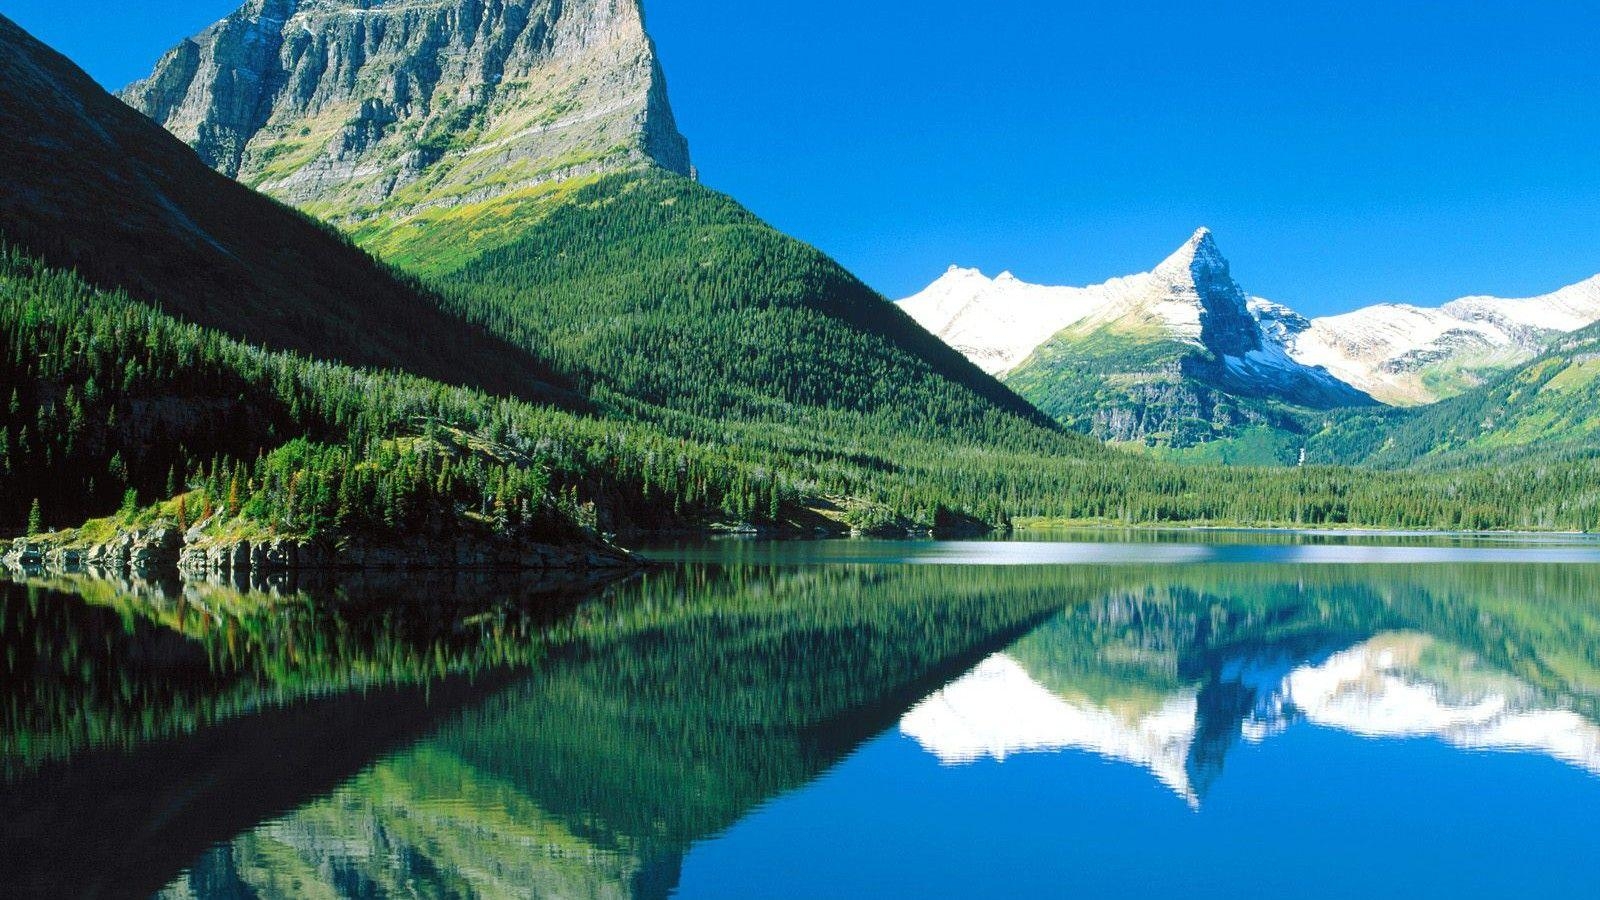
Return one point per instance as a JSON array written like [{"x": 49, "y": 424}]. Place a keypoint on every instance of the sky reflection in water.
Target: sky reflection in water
[{"x": 758, "y": 720}]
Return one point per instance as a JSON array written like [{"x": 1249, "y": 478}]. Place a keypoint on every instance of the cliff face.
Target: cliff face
[{"x": 378, "y": 109}]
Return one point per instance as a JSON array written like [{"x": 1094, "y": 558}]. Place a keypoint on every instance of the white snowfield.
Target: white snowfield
[
  {"x": 1381, "y": 350},
  {"x": 997, "y": 323},
  {"x": 998, "y": 710},
  {"x": 1376, "y": 689}
]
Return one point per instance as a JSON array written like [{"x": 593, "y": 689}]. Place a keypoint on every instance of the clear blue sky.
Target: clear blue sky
[{"x": 1344, "y": 152}]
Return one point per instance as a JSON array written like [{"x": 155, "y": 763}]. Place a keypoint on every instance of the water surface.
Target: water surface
[{"x": 1232, "y": 714}]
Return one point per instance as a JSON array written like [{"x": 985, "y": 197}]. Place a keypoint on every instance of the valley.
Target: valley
[
  {"x": 563, "y": 337},
  {"x": 437, "y": 460}
]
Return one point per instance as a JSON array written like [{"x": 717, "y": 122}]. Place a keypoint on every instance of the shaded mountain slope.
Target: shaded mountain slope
[{"x": 89, "y": 184}]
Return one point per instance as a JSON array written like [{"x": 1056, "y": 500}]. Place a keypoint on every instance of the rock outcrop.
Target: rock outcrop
[
  {"x": 163, "y": 551},
  {"x": 360, "y": 109}
]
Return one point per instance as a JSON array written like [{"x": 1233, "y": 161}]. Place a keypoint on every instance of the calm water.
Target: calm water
[{"x": 1150, "y": 714}]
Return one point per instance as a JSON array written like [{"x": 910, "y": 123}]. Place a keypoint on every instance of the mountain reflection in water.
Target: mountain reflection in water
[{"x": 587, "y": 740}]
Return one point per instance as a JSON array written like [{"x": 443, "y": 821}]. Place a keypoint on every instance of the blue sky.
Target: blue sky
[{"x": 1343, "y": 152}]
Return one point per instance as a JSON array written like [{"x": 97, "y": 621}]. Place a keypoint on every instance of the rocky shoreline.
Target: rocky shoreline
[{"x": 163, "y": 550}]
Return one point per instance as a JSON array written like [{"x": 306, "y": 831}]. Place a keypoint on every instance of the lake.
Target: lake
[{"x": 1105, "y": 714}]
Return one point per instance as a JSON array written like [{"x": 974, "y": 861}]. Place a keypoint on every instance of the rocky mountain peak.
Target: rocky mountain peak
[
  {"x": 1197, "y": 286},
  {"x": 1200, "y": 249},
  {"x": 366, "y": 109}
]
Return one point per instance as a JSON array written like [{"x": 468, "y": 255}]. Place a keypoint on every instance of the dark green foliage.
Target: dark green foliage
[
  {"x": 650, "y": 287},
  {"x": 87, "y": 183},
  {"x": 109, "y": 396}
]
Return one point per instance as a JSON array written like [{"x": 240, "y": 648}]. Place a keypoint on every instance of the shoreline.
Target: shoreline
[{"x": 1339, "y": 530}]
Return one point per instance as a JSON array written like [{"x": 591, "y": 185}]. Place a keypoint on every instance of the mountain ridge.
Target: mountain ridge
[
  {"x": 362, "y": 110},
  {"x": 1410, "y": 355},
  {"x": 1400, "y": 354}
]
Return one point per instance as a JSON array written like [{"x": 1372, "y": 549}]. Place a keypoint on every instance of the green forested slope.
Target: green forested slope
[
  {"x": 1544, "y": 410},
  {"x": 109, "y": 395},
  {"x": 87, "y": 183},
  {"x": 649, "y": 288}
]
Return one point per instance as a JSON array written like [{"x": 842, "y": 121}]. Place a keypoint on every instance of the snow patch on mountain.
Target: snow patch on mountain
[
  {"x": 997, "y": 322},
  {"x": 998, "y": 710},
  {"x": 1189, "y": 298},
  {"x": 1388, "y": 349},
  {"x": 1395, "y": 353}
]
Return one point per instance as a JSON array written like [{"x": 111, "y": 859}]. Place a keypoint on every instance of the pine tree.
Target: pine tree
[
  {"x": 235, "y": 504},
  {"x": 35, "y": 519}
]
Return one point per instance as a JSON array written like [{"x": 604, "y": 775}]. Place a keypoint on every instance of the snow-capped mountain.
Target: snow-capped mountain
[
  {"x": 1396, "y": 685},
  {"x": 1395, "y": 353},
  {"x": 1190, "y": 298},
  {"x": 999, "y": 322},
  {"x": 1163, "y": 356},
  {"x": 998, "y": 710},
  {"x": 1408, "y": 355}
]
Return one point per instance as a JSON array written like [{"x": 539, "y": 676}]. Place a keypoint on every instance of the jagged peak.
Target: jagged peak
[
  {"x": 1199, "y": 251},
  {"x": 357, "y": 110},
  {"x": 959, "y": 273}
]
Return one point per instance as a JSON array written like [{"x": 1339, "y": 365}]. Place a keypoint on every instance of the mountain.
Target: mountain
[
  {"x": 88, "y": 184},
  {"x": 436, "y": 116},
  {"x": 733, "y": 376},
  {"x": 1409, "y": 355},
  {"x": 1547, "y": 407},
  {"x": 1175, "y": 356},
  {"x": 522, "y": 155},
  {"x": 1397, "y": 354}
]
